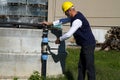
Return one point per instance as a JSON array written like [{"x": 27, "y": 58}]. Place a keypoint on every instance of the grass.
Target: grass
[{"x": 107, "y": 65}]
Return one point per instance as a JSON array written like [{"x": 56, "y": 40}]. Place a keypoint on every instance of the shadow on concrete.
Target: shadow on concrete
[{"x": 62, "y": 54}]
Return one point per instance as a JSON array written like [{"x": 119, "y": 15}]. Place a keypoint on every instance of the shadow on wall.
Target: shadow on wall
[{"x": 62, "y": 54}]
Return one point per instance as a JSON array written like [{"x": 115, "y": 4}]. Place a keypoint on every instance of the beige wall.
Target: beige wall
[{"x": 98, "y": 12}]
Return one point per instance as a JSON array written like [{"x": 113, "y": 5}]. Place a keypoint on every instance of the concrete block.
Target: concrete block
[{"x": 20, "y": 53}]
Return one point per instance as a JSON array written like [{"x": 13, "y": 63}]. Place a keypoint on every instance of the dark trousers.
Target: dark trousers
[{"x": 86, "y": 63}]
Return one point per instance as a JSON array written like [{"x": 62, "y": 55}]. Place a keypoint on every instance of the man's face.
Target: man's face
[{"x": 67, "y": 13}]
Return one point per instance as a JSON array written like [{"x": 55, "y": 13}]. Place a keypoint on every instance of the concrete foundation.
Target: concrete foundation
[{"x": 20, "y": 53}]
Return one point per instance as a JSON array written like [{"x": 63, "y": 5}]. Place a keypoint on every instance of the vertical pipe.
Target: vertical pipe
[{"x": 44, "y": 54}]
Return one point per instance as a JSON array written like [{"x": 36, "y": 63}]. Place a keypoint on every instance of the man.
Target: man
[{"x": 82, "y": 33}]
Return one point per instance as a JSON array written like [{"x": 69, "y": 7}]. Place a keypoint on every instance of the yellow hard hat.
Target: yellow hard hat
[{"x": 66, "y": 5}]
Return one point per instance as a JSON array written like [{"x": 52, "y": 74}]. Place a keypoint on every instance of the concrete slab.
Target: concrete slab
[{"x": 20, "y": 53}]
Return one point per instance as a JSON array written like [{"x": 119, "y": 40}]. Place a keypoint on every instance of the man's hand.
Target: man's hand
[
  {"x": 46, "y": 23},
  {"x": 57, "y": 41}
]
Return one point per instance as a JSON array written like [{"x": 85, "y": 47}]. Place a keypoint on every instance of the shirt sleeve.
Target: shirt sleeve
[
  {"x": 65, "y": 20},
  {"x": 75, "y": 25},
  {"x": 58, "y": 23}
]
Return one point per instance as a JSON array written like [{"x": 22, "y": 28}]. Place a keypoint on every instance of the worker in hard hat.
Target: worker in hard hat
[{"x": 80, "y": 29}]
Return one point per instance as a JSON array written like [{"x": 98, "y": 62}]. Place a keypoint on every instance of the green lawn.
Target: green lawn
[{"x": 107, "y": 65}]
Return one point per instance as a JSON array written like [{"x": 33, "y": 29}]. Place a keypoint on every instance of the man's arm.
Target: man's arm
[
  {"x": 76, "y": 24},
  {"x": 57, "y": 23}
]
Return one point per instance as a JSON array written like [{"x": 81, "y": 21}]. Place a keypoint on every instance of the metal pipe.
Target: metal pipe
[
  {"x": 16, "y": 24},
  {"x": 44, "y": 51}
]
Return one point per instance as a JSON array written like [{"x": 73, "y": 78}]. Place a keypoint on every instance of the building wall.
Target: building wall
[
  {"x": 102, "y": 14},
  {"x": 98, "y": 12}
]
